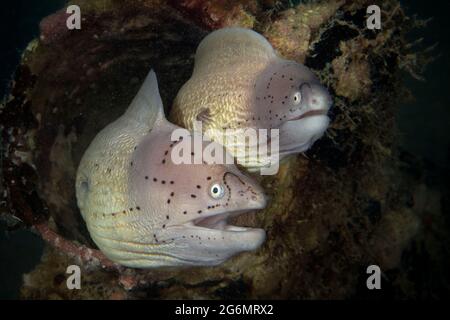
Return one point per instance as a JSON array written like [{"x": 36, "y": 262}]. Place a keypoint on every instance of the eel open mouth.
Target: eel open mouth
[
  {"x": 219, "y": 222},
  {"x": 310, "y": 113}
]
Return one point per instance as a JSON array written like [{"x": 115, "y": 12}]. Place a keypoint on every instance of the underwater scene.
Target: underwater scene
[{"x": 223, "y": 150}]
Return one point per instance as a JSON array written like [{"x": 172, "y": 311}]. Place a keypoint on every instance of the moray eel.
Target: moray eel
[
  {"x": 239, "y": 81},
  {"x": 143, "y": 210}
]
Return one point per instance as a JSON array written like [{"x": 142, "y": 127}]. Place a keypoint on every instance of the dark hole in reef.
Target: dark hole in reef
[{"x": 328, "y": 47}]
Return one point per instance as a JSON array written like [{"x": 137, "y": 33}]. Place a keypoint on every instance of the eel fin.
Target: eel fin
[
  {"x": 204, "y": 115},
  {"x": 147, "y": 106}
]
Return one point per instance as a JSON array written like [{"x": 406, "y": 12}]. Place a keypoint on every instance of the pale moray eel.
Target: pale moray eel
[
  {"x": 143, "y": 210},
  {"x": 239, "y": 81}
]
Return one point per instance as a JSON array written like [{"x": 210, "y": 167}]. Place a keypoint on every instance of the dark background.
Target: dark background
[
  {"x": 20, "y": 251},
  {"x": 424, "y": 123}
]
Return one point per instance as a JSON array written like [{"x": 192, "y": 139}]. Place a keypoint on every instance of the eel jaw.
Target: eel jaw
[
  {"x": 236, "y": 238},
  {"x": 299, "y": 133},
  {"x": 219, "y": 222},
  {"x": 311, "y": 113}
]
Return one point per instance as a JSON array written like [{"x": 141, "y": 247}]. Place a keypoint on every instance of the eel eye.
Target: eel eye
[
  {"x": 297, "y": 97},
  {"x": 217, "y": 191}
]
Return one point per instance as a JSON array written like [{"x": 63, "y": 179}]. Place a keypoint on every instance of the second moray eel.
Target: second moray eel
[{"x": 238, "y": 82}]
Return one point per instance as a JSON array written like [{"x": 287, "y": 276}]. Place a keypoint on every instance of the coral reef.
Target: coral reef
[
  {"x": 344, "y": 205},
  {"x": 217, "y": 14}
]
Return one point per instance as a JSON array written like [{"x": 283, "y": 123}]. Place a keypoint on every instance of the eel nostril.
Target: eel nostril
[{"x": 305, "y": 84}]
